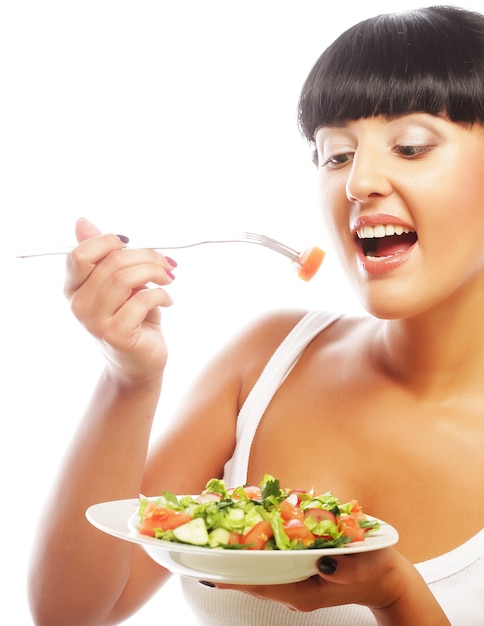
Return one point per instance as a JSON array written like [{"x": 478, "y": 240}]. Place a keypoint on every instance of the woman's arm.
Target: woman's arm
[{"x": 78, "y": 574}]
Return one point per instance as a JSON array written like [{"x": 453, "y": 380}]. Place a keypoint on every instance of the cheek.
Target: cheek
[
  {"x": 458, "y": 210},
  {"x": 333, "y": 204},
  {"x": 457, "y": 195}
]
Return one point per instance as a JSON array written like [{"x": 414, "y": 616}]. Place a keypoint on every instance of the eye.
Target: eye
[
  {"x": 410, "y": 152},
  {"x": 337, "y": 160}
]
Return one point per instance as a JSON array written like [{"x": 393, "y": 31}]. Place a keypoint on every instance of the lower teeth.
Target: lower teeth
[{"x": 371, "y": 257}]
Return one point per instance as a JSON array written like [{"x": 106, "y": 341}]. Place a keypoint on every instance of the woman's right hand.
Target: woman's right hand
[{"x": 106, "y": 285}]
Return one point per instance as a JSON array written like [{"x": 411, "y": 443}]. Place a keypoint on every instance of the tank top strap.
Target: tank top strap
[{"x": 273, "y": 375}]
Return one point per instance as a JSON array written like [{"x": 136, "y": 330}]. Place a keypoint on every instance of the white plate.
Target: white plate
[{"x": 251, "y": 567}]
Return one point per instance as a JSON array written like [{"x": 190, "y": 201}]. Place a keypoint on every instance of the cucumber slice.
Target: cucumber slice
[
  {"x": 193, "y": 532},
  {"x": 219, "y": 536}
]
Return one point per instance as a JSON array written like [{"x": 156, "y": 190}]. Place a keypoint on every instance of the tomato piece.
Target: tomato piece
[
  {"x": 161, "y": 518},
  {"x": 253, "y": 492},
  {"x": 235, "y": 538},
  {"x": 309, "y": 262},
  {"x": 258, "y": 536},
  {"x": 356, "y": 510},
  {"x": 296, "y": 529},
  {"x": 352, "y": 528},
  {"x": 289, "y": 510}
]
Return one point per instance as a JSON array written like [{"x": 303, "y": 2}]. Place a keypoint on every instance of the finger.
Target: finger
[
  {"x": 98, "y": 258},
  {"x": 116, "y": 279},
  {"x": 122, "y": 329},
  {"x": 86, "y": 229},
  {"x": 304, "y": 596},
  {"x": 350, "y": 569},
  {"x": 126, "y": 292},
  {"x": 370, "y": 578},
  {"x": 340, "y": 580},
  {"x": 83, "y": 259}
]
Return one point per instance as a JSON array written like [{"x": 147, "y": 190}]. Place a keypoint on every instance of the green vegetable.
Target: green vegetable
[
  {"x": 221, "y": 518},
  {"x": 194, "y": 532}
]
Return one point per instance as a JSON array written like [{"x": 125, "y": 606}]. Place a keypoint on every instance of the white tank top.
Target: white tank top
[{"x": 455, "y": 578}]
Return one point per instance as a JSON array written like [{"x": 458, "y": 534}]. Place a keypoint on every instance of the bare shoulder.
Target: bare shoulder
[
  {"x": 256, "y": 344},
  {"x": 258, "y": 340},
  {"x": 270, "y": 328}
]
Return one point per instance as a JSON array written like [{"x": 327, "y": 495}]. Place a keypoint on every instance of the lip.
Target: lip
[{"x": 378, "y": 266}]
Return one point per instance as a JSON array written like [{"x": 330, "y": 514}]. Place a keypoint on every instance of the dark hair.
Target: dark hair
[{"x": 427, "y": 60}]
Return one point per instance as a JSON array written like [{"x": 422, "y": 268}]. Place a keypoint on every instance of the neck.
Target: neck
[{"x": 438, "y": 354}]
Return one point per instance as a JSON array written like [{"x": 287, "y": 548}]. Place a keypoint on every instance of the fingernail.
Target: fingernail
[
  {"x": 171, "y": 261},
  {"x": 170, "y": 274},
  {"x": 123, "y": 238},
  {"x": 206, "y": 583},
  {"x": 327, "y": 565}
]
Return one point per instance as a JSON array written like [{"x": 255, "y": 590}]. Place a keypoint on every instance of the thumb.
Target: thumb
[{"x": 86, "y": 229}]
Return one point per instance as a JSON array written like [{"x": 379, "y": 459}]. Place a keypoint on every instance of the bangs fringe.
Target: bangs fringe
[{"x": 397, "y": 64}]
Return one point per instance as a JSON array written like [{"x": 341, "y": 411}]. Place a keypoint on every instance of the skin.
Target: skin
[{"x": 406, "y": 380}]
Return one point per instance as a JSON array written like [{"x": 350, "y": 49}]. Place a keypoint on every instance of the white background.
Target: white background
[{"x": 164, "y": 121}]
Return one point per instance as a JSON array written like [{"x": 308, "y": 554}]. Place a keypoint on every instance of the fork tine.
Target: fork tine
[{"x": 272, "y": 244}]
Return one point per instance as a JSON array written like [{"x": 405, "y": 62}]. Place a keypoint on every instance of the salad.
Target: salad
[{"x": 254, "y": 517}]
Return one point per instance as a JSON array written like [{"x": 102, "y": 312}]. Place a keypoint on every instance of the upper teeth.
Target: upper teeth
[{"x": 381, "y": 230}]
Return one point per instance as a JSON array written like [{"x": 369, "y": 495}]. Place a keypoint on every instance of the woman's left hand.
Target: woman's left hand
[
  {"x": 366, "y": 578},
  {"x": 383, "y": 580}
]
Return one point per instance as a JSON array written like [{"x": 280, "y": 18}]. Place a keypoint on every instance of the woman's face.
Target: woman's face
[{"x": 404, "y": 199}]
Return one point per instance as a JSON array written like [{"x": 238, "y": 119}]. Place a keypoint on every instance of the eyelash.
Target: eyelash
[
  {"x": 418, "y": 150},
  {"x": 333, "y": 160}
]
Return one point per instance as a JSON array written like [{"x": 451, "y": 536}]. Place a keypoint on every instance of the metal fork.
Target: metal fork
[{"x": 254, "y": 238}]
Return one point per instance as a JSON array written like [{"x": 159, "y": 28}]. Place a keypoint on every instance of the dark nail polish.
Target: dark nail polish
[
  {"x": 327, "y": 565},
  {"x": 206, "y": 583},
  {"x": 123, "y": 238}
]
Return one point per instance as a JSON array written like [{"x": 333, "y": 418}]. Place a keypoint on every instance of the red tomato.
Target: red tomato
[
  {"x": 296, "y": 529},
  {"x": 258, "y": 536},
  {"x": 356, "y": 510},
  {"x": 352, "y": 528},
  {"x": 235, "y": 538},
  {"x": 251, "y": 491},
  {"x": 162, "y": 518},
  {"x": 290, "y": 511}
]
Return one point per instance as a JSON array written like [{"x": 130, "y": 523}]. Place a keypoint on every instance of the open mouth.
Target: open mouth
[{"x": 384, "y": 240}]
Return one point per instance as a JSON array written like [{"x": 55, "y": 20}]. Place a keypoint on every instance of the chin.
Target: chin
[{"x": 386, "y": 306}]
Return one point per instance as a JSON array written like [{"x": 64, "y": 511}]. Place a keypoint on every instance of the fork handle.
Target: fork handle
[{"x": 34, "y": 252}]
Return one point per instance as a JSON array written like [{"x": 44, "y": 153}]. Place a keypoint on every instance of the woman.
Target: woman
[{"x": 393, "y": 401}]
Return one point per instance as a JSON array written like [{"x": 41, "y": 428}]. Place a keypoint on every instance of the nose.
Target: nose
[{"x": 367, "y": 178}]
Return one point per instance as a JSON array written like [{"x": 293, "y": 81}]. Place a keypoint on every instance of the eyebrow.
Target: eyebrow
[{"x": 339, "y": 124}]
